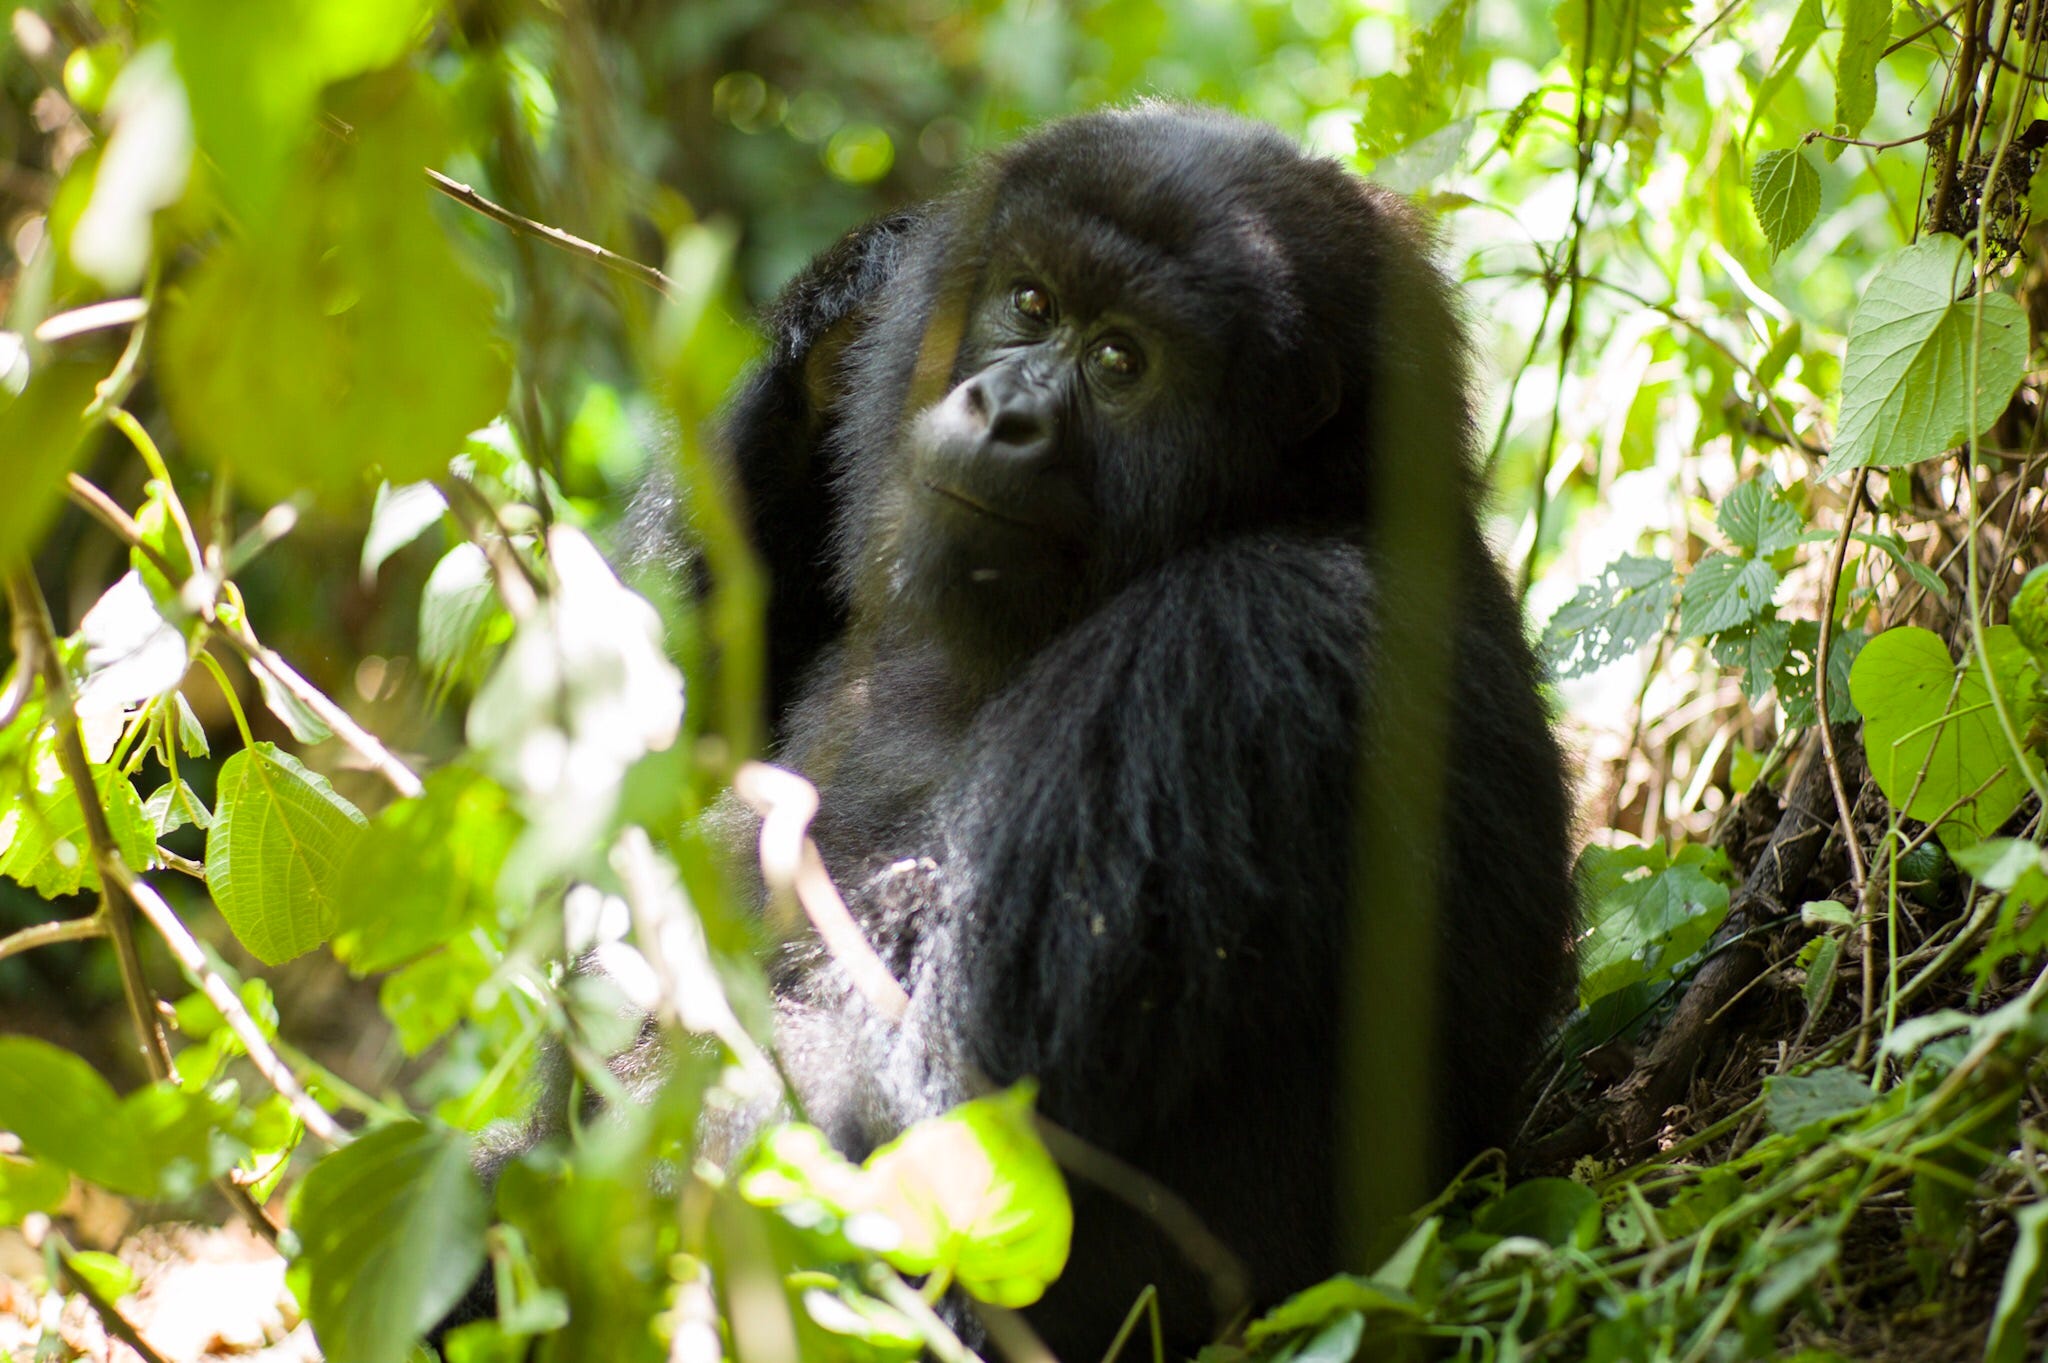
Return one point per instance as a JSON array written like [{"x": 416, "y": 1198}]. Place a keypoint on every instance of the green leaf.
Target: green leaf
[
  {"x": 43, "y": 844},
  {"x": 1902, "y": 682},
  {"x": 1556, "y": 1211},
  {"x": 254, "y": 70},
  {"x": 392, "y": 1232},
  {"x": 1611, "y": 617},
  {"x": 1807, "y": 25},
  {"x": 346, "y": 335},
  {"x": 1758, "y": 520},
  {"x": 460, "y": 617},
  {"x": 1906, "y": 373},
  {"x": 1334, "y": 1299},
  {"x": 1723, "y": 591},
  {"x": 157, "y": 1142},
  {"x": 1820, "y": 974},
  {"x": 280, "y": 837},
  {"x": 1794, "y": 1273},
  {"x": 1793, "y": 1102},
  {"x": 1784, "y": 189},
  {"x": 427, "y": 869},
  {"x": 175, "y": 805},
  {"x": 40, "y": 429},
  {"x": 28, "y": 1186},
  {"x": 2020, "y": 1292},
  {"x": 104, "y": 1273},
  {"x": 1866, "y": 28},
  {"x": 1650, "y": 913},
  {"x": 975, "y": 1193},
  {"x": 1757, "y": 653}
]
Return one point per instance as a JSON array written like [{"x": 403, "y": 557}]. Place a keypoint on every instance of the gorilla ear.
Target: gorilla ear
[{"x": 1320, "y": 394}]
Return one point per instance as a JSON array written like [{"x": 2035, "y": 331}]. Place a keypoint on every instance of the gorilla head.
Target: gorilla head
[{"x": 1131, "y": 334}]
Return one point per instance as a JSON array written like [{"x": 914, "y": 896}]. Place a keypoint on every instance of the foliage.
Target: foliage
[{"x": 1761, "y": 285}]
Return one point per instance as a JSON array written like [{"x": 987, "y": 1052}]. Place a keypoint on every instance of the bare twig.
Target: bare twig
[
  {"x": 192, "y": 958},
  {"x": 554, "y": 236},
  {"x": 366, "y": 745},
  {"x": 116, "y": 1324},
  {"x": 49, "y": 934}
]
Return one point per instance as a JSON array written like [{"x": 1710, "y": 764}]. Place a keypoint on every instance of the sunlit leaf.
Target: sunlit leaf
[
  {"x": 1906, "y": 375},
  {"x": 1784, "y": 188},
  {"x": 279, "y": 840}
]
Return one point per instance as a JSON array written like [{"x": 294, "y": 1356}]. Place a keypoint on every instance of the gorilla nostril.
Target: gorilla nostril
[{"x": 1017, "y": 426}]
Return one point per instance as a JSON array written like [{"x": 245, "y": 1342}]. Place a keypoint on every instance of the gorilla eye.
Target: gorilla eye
[
  {"x": 1117, "y": 358},
  {"x": 1032, "y": 302}
]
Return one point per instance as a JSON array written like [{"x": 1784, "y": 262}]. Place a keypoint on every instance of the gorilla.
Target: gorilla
[{"x": 1070, "y": 488}]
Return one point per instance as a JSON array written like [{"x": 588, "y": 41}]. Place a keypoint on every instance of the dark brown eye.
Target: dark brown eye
[
  {"x": 1032, "y": 301},
  {"x": 1117, "y": 358}
]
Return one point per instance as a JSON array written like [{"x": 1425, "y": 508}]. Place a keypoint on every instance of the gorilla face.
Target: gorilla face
[{"x": 1125, "y": 385}]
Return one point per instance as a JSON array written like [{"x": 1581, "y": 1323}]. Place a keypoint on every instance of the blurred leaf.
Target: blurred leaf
[
  {"x": 132, "y": 654},
  {"x": 399, "y": 516},
  {"x": 348, "y": 336},
  {"x": 254, "y": 70},
  {"x": 1556, "y": 1211},
  {"x": 1866, "y": 28},
  {"x": 1794, "y": 1102},
  {"x": 1906, "y": 375},
  {"x": 29, "y": 1185},
  {"x": 1807, "y": 26},
  {"x": 157, "y": 1142},
  {"x": 40, "y": 430},
  {"x": 426, "y": 870},
  {"x": 975, "y": 1194},
  {"x": 2020, "y": 1291},
  {"x": 280, "y": 838},
  {"x": 392, "y": 1232},
  {"x": 105, "y": 1274},
  {"x": 460, "y": 617}
]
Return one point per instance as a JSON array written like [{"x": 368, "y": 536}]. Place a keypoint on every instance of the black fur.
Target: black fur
[{"x": 1089, "y": 781}]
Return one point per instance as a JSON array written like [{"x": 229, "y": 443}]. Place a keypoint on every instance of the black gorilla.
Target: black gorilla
[{"x": 1066, "y": 486}]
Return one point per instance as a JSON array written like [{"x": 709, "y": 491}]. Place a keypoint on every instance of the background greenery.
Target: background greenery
[{"x": 309, "y": 467}]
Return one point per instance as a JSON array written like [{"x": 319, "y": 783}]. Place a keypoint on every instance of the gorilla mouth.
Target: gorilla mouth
[{"x": 978, "y": 506}]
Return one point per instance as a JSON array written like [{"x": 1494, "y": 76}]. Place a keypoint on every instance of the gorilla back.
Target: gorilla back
[{"x": 1068, "y": 488}]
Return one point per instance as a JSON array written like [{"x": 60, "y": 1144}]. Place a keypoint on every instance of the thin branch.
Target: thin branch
[
  {"x": 366, "y": 745},
  {"x": 1859, "y": 873},
  {"x": 108, "y": 513},
  {"x": 192, "y": 958},
  {"x": 49, "y": 934},
  {"x": 116, "y": 1324},
  {"x": 554, "y": 236},
  {"x": 37, "y": 638}
]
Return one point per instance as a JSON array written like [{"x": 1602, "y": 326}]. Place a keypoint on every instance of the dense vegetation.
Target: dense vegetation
[{"x": 318, "y": 674}]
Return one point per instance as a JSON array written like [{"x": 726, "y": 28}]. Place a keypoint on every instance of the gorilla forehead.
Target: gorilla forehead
[{"x": 1156, "y": 208}]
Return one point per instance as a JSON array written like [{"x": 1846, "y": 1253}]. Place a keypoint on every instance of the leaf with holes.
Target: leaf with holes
[
  {"x": 280, "y": 836},
  {"x": 1784, "y": 189},
  {"x": 1723, "y": 591},
  {"x": 1906, "y": 393},
  {"x": 1758, "y": 520},
  {"x": 1610, "y": 617}
]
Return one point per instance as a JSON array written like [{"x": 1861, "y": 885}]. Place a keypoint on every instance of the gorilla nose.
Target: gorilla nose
[{"x": 1016, "y": 414}]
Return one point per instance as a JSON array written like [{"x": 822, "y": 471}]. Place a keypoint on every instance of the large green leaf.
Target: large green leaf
[
  {"x": 1723, "y": 591},
  {"x": 346, "y": 336},
  {"x": 40, "y": 433},
  {"x": 157, "y": 1142},
  {"x": 392, "y": 1228},
  {"x": 1902, "y": 682},
  {"x": 1866, "y": 28},
  {"x": 975, "y": 1192},
  {"x": 280, "y": 837},
  {"x": 426, "y": 870},
  {"x": 1650, "y": 912},
  {"x": 1906, "y": 375},
  {"x": 254, "y": 70}
]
